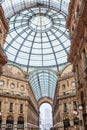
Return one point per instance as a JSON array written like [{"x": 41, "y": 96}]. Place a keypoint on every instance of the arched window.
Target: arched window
[
  {"x": 12, "y": 85},
  {"x": 9, "y": 122},
  {"x": 66, "y": 122},
  {"x": 76, "y": 121},
  {"x": 20, "y": 123},
  {"x": 2, "y": 83}
]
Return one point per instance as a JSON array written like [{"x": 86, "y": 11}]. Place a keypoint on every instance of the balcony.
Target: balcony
[
  {"x": 13, "y": 94},
  {"x": 67, "y": 95}
]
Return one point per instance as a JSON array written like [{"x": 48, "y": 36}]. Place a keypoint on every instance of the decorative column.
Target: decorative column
[
  {"x": 3, "y": 123},
  {"x": 25, "y": 126},
  {"x": 71, "y": 121},
  {"x": 25, "y": 116},
  {"x": 15, "y": 123}
]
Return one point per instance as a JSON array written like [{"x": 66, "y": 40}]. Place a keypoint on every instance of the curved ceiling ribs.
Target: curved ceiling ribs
[
  {"x": 40, "y": 81},
  {"x": 33, "y": 45},
  {"x": 38, "y": 38},
  {"x": 11, "y": 7}
]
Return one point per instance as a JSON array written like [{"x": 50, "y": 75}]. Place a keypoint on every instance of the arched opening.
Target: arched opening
[
  {"x": 20, "y": 123},
  {"x": 45, "y": 117},
  {"x": 9, "y": 122},
  {"x": 45, "y": 100}
]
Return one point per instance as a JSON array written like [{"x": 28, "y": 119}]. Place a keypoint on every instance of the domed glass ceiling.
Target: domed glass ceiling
[{"x": 38, "y": 38}]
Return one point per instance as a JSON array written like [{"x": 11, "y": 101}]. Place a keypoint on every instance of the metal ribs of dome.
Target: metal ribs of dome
[
  {"x": 43, "y": 83},
  {"x": 29, "y": 45},
  {"x": 11, "y": 7}
]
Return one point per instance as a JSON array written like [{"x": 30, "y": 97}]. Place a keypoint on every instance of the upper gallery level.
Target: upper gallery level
[{"x": 14, "y": 83}]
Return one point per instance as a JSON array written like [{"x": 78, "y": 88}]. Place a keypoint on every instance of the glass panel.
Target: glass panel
[
  {"x": 37, "y": 37},
  {"x": 43, "y": 83},
  {"x": 18, "y": 5}
]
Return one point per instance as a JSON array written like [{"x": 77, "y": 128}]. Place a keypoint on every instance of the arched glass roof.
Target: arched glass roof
[
  {"x": 43, "y": 83},
  {"x": 38, "y": 38}
]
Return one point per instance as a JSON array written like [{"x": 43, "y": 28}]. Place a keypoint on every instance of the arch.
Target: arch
[
  {"x": 20, "y": 118},
  {"x": 13, "y": 70},
  {"x": 16, "y": 66},
  {"x": 66, "y": 123},
  {"x": 44, "y": 100},
  {"x": 45, "y": 69},
  {"x": 9, "y": 122},
  {"x": 45, "y": 116},
  {"x": 66, "y": 70},
  {"x": 10, "y": 117},
  {"x": 20, "y": 124}
]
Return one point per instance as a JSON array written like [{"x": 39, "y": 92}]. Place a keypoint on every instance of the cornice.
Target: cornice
[
  {"x": 14, "y": 77},
  {"x": 66, "y": 96},
  {"x": 13, "y": 96}
]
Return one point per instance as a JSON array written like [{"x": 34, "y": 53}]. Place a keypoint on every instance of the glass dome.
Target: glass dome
[{"x": 38, "y": 38}]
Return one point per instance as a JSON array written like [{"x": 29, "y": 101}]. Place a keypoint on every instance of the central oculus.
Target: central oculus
[{"x": 40, "y": 23}]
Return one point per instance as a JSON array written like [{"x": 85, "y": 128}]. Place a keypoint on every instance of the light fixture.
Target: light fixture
[
  {"x": 75, "y": 112},
  {"x": 80, "y": 107}
]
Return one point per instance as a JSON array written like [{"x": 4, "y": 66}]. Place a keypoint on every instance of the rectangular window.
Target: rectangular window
[
  {"x": 0, "y": 106},
  {"x": 74, "y": 91},
  {"x": 1, "y": 91},
  {"x": 11, "y": 107},
  {"x": 1, "y": 83},
  {"x": 64, "y": 93},
  {"x": 74, "y": 105},
  {"x": 65, "y": 107},
  {"x": 63, "y": 86},
  {"x": 21, "y": 108},
  {"x": 73, "y": 84}
]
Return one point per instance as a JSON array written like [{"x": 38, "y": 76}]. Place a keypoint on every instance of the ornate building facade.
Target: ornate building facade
[
  {"x": 77, "y": 25},
  {"x": 18, "y": 105},
  {"x": 3, "y": 29},
  {"x": 65, "y": 114}
]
